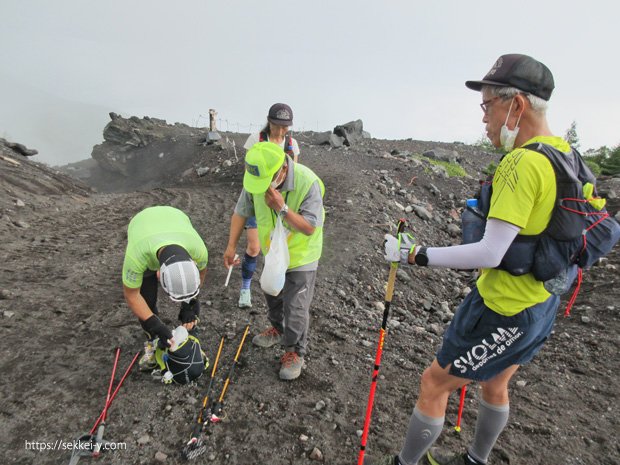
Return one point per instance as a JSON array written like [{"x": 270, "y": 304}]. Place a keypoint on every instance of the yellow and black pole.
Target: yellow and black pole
[
  {"x": 382, "y": 333},
  {"x": 194, "y": 446},
  {"x": 218, "y": 406}
]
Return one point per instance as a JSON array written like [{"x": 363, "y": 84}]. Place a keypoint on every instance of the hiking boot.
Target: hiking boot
[
  {"x": 147, "y": 362},
  {"x": 269, "y": 337},
  {"x": 291, "y": 367},
  {"x": 385, "y": 460},
  {"x": 436, "y": 457},
  {"x": 245, "y": 298}
]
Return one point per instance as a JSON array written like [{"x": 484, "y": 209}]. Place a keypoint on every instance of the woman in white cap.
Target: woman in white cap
[{"x": 279, "y": 119}]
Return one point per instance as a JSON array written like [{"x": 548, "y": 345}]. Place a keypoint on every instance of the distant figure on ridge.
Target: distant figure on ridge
[
  {"x": 274, "y": 185},
  {"x": 279, "y": 119}
]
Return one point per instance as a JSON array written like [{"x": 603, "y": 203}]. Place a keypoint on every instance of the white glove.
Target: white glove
[{"x": 397, "y": 249}]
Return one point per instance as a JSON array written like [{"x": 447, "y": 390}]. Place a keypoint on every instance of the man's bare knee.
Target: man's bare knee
[{"x": 252, "y": 251}]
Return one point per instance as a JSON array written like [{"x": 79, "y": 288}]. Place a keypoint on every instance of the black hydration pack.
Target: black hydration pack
[
  {"x": 288, "y": 142},
  {"x": 577, "y": 235}
]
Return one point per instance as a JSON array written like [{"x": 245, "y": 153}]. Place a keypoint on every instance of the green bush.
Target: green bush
[
  {"x": 485, "y": 144},
  {"x": 611, "y": 164},
  {"x": 490, "y": 169},
  {"x": 453, "y": 169},
  {"x": 594, "y": 167}
]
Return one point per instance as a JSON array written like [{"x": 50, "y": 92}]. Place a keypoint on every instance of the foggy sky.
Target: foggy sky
[{"x": 400, "y": 66}]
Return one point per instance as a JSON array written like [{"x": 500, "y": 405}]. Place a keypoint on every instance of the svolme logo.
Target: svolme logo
[{"x": 479, "y": 355}]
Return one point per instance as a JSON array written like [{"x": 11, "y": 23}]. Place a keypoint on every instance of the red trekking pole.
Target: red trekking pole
[
  {"x": 382, "y": 332},
  {"x": 457, "y": 428}
]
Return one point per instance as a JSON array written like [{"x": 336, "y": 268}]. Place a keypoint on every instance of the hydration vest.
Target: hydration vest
[
  {"x": 185, "y": 364},
  {"x": 288, "y": 142},
  {"x": 577, "y": 235}
]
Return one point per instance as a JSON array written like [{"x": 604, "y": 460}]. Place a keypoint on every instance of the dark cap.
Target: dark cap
[
  {"x": 280, "y": 114},
  {"x": 520, "y": 71}
]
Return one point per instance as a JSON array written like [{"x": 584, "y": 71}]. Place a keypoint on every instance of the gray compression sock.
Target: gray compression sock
[
  {"x": 423, "y": 431},
  {"x": 490, "y": 423}
]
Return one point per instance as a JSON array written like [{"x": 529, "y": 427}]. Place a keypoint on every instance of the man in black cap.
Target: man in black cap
[{"x": 505, "y": 319}]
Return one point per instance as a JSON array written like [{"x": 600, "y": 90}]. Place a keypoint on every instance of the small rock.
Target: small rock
[
  {"x": 403, "y": 276},
  {"x": 320, "y": 405},
  {"x": 5, "y": 294},
  {"x": 393, "y": 324},
  {"x": 303, "y": 438},
  {"x": 408, "y": 209},
  {"x": 168, "y": 408},
  {"x": 399, "y": 206},
  {"x": 8, "y": 314},
  {"x": 160, "y": 456},
  {"x": 454, "y": 230},
  {"x": 585, "y": 319},
  {"x": 422, "y": 212},
  {"x": 378, "y": 305},
  {"x": 228, "y": 163},
  {"x": 201, "y": 171},
  {"x": 435, "y": 329},
  {"x": 521, "y": 383},
  {"x": 144, "y": 439},
  {"x": 19, "y": 203},
  {"x": 349, "y": 202},
  {"x": 211, "y": 457},
  {"x": 359, "y": 433},
  {"x": 366, "y": 343},
  {"x": 466, "y": 290},
  {"x": 316, "y": 454},
  {"x": 21, "y": 224}
]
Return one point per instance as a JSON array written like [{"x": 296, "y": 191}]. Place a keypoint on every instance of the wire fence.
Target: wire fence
[{"x": 227, "y": 125}]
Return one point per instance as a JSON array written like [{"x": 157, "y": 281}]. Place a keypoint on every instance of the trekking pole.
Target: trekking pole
[
  {"x": 217, "y": 407},
  {"x": 118, "y": 386},
  {"x": 194, "y": 446},
  {"x": 461, "y": 404},
  {"x": 99, "y": 436},
  {"x": 382, "y": 332}
]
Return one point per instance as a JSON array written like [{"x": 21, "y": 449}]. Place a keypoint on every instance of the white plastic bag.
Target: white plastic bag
[{"x": 276, "y": 261}]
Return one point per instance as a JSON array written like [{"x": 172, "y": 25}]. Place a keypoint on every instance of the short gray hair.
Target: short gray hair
[{"x": 538, "y": 105}]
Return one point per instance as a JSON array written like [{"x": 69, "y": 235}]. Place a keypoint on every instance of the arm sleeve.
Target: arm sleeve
[
  {"x": 252, "y": 139},
  {"x": 487, "y": 253},
  {"x": 245, "y": 205},
  {"x": 295, "y": 146},
  {"x": 311, "y": 207}
]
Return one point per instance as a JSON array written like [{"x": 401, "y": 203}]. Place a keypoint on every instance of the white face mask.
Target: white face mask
[
  {"x": 507, "y": 136},
  {"x": 277, "y": 181}
]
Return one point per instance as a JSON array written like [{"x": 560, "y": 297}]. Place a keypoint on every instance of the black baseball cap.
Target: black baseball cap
[
  {"x": 280, "y": 114},
  {"x": 520, "y": 71}
]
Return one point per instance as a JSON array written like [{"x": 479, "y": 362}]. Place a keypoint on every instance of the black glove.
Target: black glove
[
  {"x": 154, "y": 327},
  {"x": 189, "y": 311}
]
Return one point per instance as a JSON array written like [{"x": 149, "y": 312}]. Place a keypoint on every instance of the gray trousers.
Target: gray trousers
[{"x": 289, "y": 311}]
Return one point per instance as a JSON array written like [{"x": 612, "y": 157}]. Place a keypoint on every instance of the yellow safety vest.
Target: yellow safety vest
[{"x": 302, "y": 249}]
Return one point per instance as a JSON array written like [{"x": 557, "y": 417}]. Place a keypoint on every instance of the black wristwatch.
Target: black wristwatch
[{"x": 421, "y": 259}]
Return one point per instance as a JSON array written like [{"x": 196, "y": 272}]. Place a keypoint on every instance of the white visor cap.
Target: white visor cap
[{"x": 180, "y": 280}]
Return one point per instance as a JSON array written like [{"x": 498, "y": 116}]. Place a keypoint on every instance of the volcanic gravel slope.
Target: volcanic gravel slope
[{"x": 62, "y": 312}]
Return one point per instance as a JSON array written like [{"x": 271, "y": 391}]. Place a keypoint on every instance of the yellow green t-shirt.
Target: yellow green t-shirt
[
  {"x": 524, "y": 191},
  {"x": 149, "y": 231}
]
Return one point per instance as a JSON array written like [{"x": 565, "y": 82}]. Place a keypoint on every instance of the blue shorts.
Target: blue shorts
[
  {"x": 480, "y": 343},
  {"x": 250, "y": 223}
]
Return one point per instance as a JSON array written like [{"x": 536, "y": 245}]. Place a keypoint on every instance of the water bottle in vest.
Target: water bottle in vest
[{"x": 472, "y": 222}]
